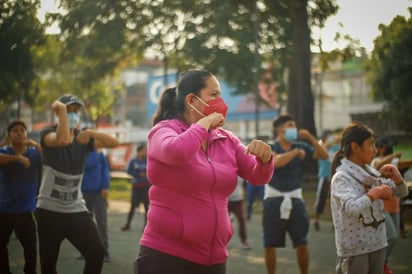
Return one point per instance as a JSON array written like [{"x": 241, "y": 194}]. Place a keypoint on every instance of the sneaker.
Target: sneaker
[
  {"x": 106, "y": 259},
  {"x": 245, "y": 245},
  {"x": 387, "y": 270},
  {"x": 126, "y": 228},
  {"x": 317, "y": 226}
]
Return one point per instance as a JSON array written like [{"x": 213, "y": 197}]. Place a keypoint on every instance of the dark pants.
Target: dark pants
[
  {"x": 139, "y": 195},
  {"x": 24, "y": 227},
  {"x": 151, "y": 261},
  {"x": 97, "y": 205},
  {"x": 79, "y": 229},
  {"x": 253, "y": 192},
  {"x": 322, "y": 194},
  {"x": 237, "y": 208}
]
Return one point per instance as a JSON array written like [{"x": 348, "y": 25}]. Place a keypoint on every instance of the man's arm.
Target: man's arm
[
  {"x": 404, "y": 164},
  {"x": 320, "y": 151},
  {"x": 32, "y": 143},
  {"x": 386, "y": 160},
  {"x": 8, "y": 159},
  {"x": 61, "y": 137},
  {"x": 282, "y": 159},
  {"x": 101, "y": 140}
]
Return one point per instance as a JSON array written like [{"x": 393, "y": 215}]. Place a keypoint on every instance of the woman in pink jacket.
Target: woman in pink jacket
[{"x": 193, "y": 165}]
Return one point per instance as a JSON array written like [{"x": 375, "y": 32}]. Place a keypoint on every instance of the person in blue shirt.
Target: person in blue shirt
[
  {"x": 330, "y": 141},
  {"x": 95, "y": 186},
  {"x": 140, "y": 184},
  {"x": 20, "y": 172},
  {"x": 252, "y": 193},
  {"x": 283, "y": 207}
]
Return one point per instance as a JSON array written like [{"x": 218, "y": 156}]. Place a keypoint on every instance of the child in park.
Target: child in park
[{"x": 357, "y": 194}]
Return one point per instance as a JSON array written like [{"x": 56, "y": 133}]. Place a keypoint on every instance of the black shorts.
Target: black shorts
[{"x": 275, "y": 228}]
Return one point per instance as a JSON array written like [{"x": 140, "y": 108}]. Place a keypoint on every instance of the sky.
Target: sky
[{"x": 359, "y": 18}]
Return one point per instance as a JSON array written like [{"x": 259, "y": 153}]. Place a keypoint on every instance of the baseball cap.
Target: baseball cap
[
  {"x": 16, "y": 123},
  {"x": 69, "y": 99}
]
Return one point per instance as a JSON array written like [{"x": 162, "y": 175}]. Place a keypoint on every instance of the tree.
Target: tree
[
  {"x": 390, "y": 70},
  {"x": 105, "y": 33},
  {"x": 231, "y": 38},
  {"x": 65, "y": 76},
  {"x": 20, "y": 34}
]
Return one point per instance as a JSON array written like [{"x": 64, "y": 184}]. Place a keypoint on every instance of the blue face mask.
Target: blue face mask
[
  {"x": 291, "y": 134},
  {"x": 73, "y": 119}
]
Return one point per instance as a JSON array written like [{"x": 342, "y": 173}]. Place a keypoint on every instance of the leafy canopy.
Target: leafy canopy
[
  {"x": 390, "y": 70},
  {"x": 20, "y": 34}
]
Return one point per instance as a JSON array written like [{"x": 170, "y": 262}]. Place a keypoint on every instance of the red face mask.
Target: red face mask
[{"x": 214, "y": 105}]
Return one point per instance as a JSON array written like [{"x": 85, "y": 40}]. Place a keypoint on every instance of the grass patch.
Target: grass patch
[
  {"x": 120, "y": 189},
  {"x": 406, "y": 150}
]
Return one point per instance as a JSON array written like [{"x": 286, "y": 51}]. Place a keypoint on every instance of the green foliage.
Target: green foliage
[
  {"x": 351, "y": 51},
  {"x": 390, "y": 70},
  {"x": 231, "y": 38},
  {"x": 20, "y": 33},
  {"x": 406, "y": 150},
  {"x": 105, "y": 33},
  {"x": 66, "y": 76}
]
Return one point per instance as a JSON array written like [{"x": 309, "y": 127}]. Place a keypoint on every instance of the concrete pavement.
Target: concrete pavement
[{"x": 124, "y": 247}]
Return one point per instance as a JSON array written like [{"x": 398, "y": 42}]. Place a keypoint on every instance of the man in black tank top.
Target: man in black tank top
[{"x": 61, "y": 210}]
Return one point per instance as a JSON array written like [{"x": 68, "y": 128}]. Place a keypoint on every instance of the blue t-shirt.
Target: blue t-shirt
[
  {"x": 19, "y": 185},
  {"x": 289, "y": 177},
  {"x": 137, "y": 169},
  {"x": 96, "y": 174},
  {"x": 324, "y": 166}
]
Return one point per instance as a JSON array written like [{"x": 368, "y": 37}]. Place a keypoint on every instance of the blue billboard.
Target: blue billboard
[{"x": 241, "y": 107}]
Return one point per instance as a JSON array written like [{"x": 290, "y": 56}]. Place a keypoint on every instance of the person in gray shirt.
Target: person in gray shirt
[{"x": 61, "y": 209}]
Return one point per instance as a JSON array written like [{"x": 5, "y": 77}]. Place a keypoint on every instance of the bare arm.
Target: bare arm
[
  {"x": 32, "y": 143},
  {"x": 62, "y": 135},
  {"x": 386, "y": 160},
  {"x": 7, "y": 159},
  {"x": 404, "y": 164},
  {"x": 320, "y": 151},
  {"x": 102, "y": 140},
  {"x": 5, "y": 141},
  {"x": 284, "y": 158}
]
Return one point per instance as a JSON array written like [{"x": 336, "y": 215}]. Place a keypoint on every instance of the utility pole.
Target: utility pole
[{"x": 256, "y": 68}]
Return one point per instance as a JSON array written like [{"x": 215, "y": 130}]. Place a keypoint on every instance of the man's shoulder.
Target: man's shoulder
[
  {"x": 32, "y": 151},
  {"x": 47, "y": 130},
  {"x": 6, "y": 150}
]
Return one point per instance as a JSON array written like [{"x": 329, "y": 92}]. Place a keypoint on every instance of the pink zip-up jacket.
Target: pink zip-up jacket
[{"x": 188, "y": 216}]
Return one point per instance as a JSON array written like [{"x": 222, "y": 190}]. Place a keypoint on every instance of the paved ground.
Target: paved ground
[{"x": 124, "y": 247}]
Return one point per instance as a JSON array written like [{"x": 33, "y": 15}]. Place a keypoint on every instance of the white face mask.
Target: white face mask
[
  {"x": 291, "y": 134},
  {"x": 73, "y": 119}
]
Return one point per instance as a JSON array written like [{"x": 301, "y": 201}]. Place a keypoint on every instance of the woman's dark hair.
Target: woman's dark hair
[
  {"x": 172, "y": 101},
  {"x": 357, "y": 133}
]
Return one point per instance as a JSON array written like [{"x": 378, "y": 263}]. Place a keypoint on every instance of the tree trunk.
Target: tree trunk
[{"x": 300, "y": 98}]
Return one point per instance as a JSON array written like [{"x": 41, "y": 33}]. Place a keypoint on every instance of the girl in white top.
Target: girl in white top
[{"x": 357, "y": 191}]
